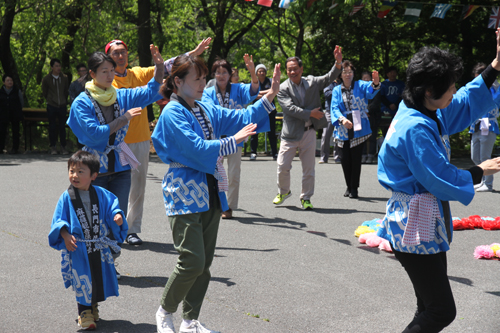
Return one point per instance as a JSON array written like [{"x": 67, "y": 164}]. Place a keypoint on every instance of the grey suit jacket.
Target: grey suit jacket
[{"x": 295, "y": 114}]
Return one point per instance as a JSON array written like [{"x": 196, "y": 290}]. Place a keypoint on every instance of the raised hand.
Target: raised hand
[
  {"x": 155, "y": 53},
  {"x": 375, "y": 78},
  {"x": 249, "y": 63},
  {"x": 337, "y": 53},
  {"x": 204, "y": 44},
  {"x": 245, "y": 132},
  {"x": 496, "y": 62},
  {"x": 275, "y": 83}
]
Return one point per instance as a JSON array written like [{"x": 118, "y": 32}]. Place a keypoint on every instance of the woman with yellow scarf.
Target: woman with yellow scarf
[{"x": 100, "y": 116}]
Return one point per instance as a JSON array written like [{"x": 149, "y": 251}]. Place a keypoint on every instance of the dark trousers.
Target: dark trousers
[
  {"x": 351, "y": 164},
  {"x": 435, "y": 303},
  {"x": 4, "y": 124},
  {"x": 372, "y": 140},
  {"x": 254, "y": 142},
  {"x": 57, "y": 123}
]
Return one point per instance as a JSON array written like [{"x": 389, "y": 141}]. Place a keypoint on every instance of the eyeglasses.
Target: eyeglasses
[
  {"x": 221, "y": 74},
  {"x": 348, "y": 73},
  {"x": 119, "y": 53}
]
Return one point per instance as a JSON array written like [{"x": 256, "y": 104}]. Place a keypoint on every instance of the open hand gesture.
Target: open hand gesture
[
  {"x": 157, "y": 58},
  {"x": 375, "y": 78},
  {"x": 275, "y": 83},
  {"x": 245, "y": 132},
  {"x": 249, "y": 63},
  {"x": 337, "y": 53},
  {"x": 496, "y": 62},
  {"x": 204, "y": 44}
]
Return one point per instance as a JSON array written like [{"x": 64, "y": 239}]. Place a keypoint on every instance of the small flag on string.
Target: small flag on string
[
  {"x": 386, "y": 7},
  {"x": 285, "y": 3},
  {"x": 334, "y": 4},
  {"x": 440, "y": 10},
  {"x": 357, "y": 7},
  {"x": 494, "y": 21},
  {"x": 413, "y": 11},
  {"x": 266, "y": 3},
  {"x": 467, "y": 11}
]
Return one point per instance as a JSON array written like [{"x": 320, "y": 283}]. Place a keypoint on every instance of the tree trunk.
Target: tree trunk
[
  {"x": 6, "y": 58},
  {"x": 73, "y": 17},
  {"x": 144, "y": 33}
]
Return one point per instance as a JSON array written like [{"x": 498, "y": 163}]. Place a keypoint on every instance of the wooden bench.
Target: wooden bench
[{"x": 37, "y": 117}]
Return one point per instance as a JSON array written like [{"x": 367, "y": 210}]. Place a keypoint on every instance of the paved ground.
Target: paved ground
[{"x": 277, "y": 269}]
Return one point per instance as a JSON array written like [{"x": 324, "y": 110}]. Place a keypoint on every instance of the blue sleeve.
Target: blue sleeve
[
  {"x": 60, "y": 219},
  {"x": 423, "y": 155},
  {"x": 367, "y": 88},
  {"x": 244, "y": 93},
  {"x": 336, "y": 105},
  {"x": 470, "y": 103},
  {"x": 84, "y": 123},
  {"x": 496, "y": 95},
  {"x": 109, "y": 202},
  {"x": 209, "y": 96},
  {"x": 141, "y": 96}
]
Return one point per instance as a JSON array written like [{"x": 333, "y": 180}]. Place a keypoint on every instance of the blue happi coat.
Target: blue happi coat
[
  {"x": 415, "y": 158},
  {"x": 75, "y": 267},
  {"x": 178, "y": 137},
  {"x": 239, "y": 96},
  {"x": 361, "y": 93},
  {"x": 493, "y": 114},
  {"x": 84, "y": 123}
]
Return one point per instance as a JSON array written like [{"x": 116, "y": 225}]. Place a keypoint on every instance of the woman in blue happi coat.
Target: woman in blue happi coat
[
  {"x": 484, "y": 133},
  {"x": 232, "y": 96},
  {"x": 414, "y": 163},
  {"x": 349, "y": 113},
  {"x": 188, "y": 138},
  {"x": 100, "y": 116}
]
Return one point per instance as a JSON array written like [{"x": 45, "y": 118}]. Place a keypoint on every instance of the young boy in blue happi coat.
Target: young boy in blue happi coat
[{"x": 84, "y": 216}]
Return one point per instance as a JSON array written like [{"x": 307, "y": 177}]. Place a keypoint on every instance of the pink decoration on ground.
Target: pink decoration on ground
[
  {"x": 483, "y": 251},
  {"x": 374, "y": 241},
  {"x": 364, "y": 237},
  {"x": 385, "y": 246}
]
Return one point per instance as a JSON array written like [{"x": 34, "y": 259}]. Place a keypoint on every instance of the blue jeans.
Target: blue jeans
[
  {"x": 118, "y": 184},
  {"x": 481, "y": 149}
]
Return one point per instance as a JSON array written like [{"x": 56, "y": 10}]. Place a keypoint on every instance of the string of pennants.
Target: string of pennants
[{"x": 412, "y": 13}]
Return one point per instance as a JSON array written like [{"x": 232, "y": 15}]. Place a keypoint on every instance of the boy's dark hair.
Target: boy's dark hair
[
  {"x": 85, "y": 158},
  {"x": 5, "y": 76},
  {"x": 431, "y": 69},
  {"x": 80, "y": 65},
  {"x": 53, "y": 61},
  {"x": 297, "y": 59},
  {"x": 390, "y": 69}
]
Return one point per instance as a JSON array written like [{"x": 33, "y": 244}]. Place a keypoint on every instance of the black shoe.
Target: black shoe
[
  {"x": 118, "y": 275},
  {"x": 133, "y": 239},
  {"x": 353, "y": 194},
  {"x": 347, "y": 192}
]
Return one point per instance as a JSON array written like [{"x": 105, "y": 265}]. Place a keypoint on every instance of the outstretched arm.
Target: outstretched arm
[
  {"x": 159, "y": 63},
  {"x": 204, "y": 44}
]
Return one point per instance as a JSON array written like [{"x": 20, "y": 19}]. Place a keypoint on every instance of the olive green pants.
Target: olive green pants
[{"x": 194, "y": 236}]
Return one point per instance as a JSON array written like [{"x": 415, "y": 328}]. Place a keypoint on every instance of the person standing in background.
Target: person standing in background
[
  {"x": 78, "y": 86},
  {"x": 11, "y": 111}
]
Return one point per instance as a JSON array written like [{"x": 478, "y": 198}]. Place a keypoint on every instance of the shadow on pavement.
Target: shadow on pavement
[
  {"x": 273, "y": 222},
  {"x": 151, "y": 246},
  {"x": 465, "y": 281},
  {"x": 123, "y": 326},
  {"x": 160, "y": 281}
]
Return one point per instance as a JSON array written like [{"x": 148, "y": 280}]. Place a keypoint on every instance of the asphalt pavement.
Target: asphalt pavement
[{"x": 277, "y": 268}]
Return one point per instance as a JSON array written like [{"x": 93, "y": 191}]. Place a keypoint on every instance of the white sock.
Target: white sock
[
  {"x": 186, "y": 322},
  {"x": 163, "y": 311}
]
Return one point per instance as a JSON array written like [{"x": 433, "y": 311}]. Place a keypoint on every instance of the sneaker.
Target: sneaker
[
  {"x": 337, "y": 161},
  {"x": 275, "y": 157},
  {"x": 306, "y": 204},
  {"x": 484, "y": 188},
  {"x": 478, "y": 185},
  {"x": 195, "y": 327},
  {"x": 53, "y": 150},
  {"x": 369, "y": 159},
  {"x": 95, "y": 312},
  {"x": 281, "y": 197},
  {"x": 118, "y": 275},
  {"x": 164, "y": 322},
  {"x": 347, "y": 192},
  {"x": 64, "y": 151},
  {"x": 133, "y": 239},
  {"x": 86, "y": 320},
  {"x": 228, "y": 214},
  {"x": 322, "y": 162},
  {"x": 353, "y": 194},
  {"x": 363, "y": 159},
  {"x": 253, "y": 157}
]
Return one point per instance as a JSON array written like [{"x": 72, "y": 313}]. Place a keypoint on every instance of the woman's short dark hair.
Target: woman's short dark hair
[
  {"x": 347, "y": 64},
  {"x": 180, "y": 68},
  {"x": 85, "y": 158},
  {"x": 431, "y": 69},
  {"x": 297, "y": 59},
  {"x": 221, "y": 63},
  {"x": 96, "y": 59},
  {"x": 478, "y": 69}
]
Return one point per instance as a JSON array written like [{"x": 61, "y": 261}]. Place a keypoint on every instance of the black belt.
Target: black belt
[{"x": 307, "y": 128}]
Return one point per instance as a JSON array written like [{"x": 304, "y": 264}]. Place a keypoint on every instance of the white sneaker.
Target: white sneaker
[
  {"x": 478, "y": 185},
  {"x": 53, "y": 150},
  {"x": 484, "y": 188},
  {"x": 195, "y": 327},
  {"x": 253, "y": 157},
  {"x": 165, "y": 322}
]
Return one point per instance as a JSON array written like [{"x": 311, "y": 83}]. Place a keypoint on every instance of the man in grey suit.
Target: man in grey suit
[{"x": 299, "y": 98}]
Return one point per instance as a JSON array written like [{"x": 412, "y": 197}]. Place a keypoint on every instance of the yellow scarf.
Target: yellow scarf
[{"x": 104, "y": 97}]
